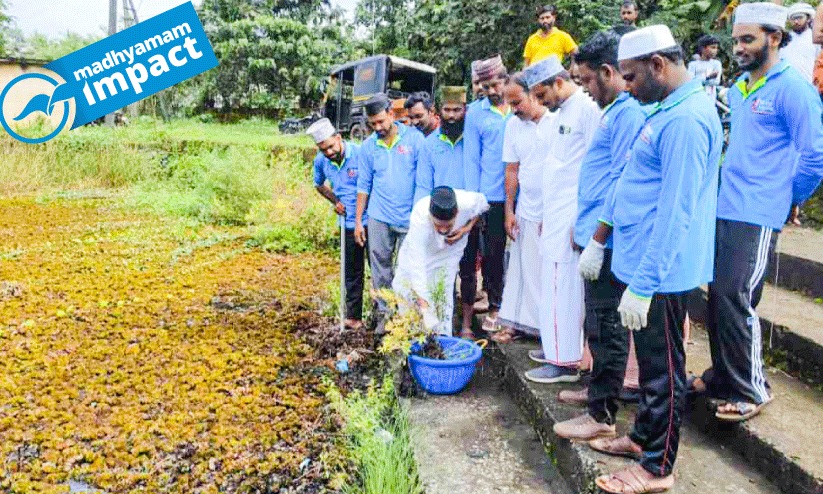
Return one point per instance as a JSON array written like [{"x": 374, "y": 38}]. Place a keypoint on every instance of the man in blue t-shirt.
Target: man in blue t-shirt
[
  {"x": 387, "y": 168},
  {"x": 774, "y": 161},
  {"x": 336, "y": 162}
]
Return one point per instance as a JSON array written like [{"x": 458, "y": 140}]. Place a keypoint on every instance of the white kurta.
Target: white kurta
[
  {"x": 425, "y": 259},
  {"x": 525, "y": 143},
  {"x": 801, "y": 53},
  {"x": 561, "y": 314}
]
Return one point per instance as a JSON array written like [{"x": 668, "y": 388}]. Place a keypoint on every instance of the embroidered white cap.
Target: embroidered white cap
[
  {"x": 761, "y": 13},
  {"x": 645, "y": 41},
  {"x": 321, "y": 130},
  {"x": 800, "y": 8},
  {"x": 541, "y": 71}
]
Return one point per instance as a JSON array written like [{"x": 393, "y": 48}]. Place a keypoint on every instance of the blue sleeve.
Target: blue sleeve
[
  {"x": 365, "y": 169},
  {"x": 424, "y": 180},
  {"x": 471, "y": 152},
  {"x": 319, "y": 173},
  {"x": 684, "y": 143},
  {"x": 802, "y": 107},
  {"x": 625, "y": 130}
]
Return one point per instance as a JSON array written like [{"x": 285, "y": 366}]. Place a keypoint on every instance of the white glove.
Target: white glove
[
  {"x": 634, "y": 310},
  {"x": 591, "y": 260}
]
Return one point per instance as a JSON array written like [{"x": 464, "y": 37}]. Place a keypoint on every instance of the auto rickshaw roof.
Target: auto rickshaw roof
[{"x": 396, "y": 62}]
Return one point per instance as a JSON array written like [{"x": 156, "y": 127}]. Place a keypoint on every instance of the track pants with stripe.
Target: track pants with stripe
[
  {"x": 742, "y": 253},
  {"x": 661, "y": 359}
]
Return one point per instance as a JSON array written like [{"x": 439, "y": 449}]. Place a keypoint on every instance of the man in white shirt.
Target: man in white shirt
[
  {"x": 525, "y": 141},
  {"x": 707, "y": 68},
  {"x": 430, "y": 255},
  {"x": 801, "y": 51},
  {"x": 572, "y": 129}
]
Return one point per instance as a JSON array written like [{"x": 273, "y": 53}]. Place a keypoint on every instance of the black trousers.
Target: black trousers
[
  {"x": 742, "y": 252},
  {"x": 661, "y": 359},
  {"x": 494, "y": 242},
  {"x": 608, "y": 342},
  {"x": 468, "y": 275},
  {"x": 355, "y": 263}
]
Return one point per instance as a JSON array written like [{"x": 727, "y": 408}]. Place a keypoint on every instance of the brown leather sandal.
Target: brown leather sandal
[
  {"x": 621, "y": 446},
  {"x": 633, "y": 480}
]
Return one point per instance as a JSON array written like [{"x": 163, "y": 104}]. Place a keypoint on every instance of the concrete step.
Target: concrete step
[
  {"x": 783, "y": 442},
  {"x": 800, "y": 265},
  {"x": 705, "y": 464},
  {"x": 792, "y": 326}
]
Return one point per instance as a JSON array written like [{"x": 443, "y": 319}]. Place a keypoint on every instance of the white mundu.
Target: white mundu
[
  {"x": 526, "y": 143},
  {"x": 425, "y": 258},
  {"x": 561, "y": 313}
]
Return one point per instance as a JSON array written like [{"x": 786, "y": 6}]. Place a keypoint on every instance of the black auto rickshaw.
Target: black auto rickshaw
[{"x": 352, "y": 83}]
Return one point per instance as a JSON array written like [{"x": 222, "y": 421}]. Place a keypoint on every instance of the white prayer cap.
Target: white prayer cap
[
  {"x": 762, "y": 14},
  {"x": 645, "y": 41},
  {"x": 800, "y": 8},
  {"x": 543, "y": 70},
  {"x": 321, "y": 130}
]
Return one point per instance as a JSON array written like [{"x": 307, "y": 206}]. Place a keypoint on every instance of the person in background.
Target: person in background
[
  {"x": 438, "y": 233},
  {"x": 525, "y": 142},
  {"x": 548, "y": 40},
  {"x": 399, "y": 112},
  {"x": 387, "y": 167},
  {"x": 477, "y": 88},
  {"x": 817, "y": 38},
  {"x": 663, "y": 218},
  {"x": 485, "y": 171},
  {"x": 628, "y": 15},
  {"x": 801, "y": 52},
  {"x": 707, "y": 68},
  {"x": 422, "y": 113},
  {"x": 441, "y": 164},
  {"x": 337, "y": 162}
]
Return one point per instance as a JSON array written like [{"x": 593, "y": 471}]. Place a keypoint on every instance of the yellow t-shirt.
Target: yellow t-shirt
[{"x": 558, "y": 43}]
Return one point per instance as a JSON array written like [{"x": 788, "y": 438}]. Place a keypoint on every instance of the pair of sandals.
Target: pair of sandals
[
  {"x": 727, "y": 411},
  {"x": 632, "y": 480}
]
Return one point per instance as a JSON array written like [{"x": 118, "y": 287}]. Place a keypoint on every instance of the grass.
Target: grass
[
  {"x": 243, "y": 174},
  {"x": 378, "y": 438}
]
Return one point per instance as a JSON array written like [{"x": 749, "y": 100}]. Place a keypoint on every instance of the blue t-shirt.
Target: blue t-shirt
[
  {"x": 343, "y": 178},
  {"x": 387, "y": 174},
  {"x": 483, "y": 151},
  {"x": 665, "y": 201},
  {"x": 440, "y": 163},
  {"x": 604, "y": 161},
  {"x": 775, "y": 153}
]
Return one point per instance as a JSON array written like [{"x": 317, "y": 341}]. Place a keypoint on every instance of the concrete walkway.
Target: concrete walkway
[{"x": 477, "y": 442}]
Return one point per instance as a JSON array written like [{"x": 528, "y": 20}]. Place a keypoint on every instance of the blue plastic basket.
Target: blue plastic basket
[{"x": 446, "y": 377}]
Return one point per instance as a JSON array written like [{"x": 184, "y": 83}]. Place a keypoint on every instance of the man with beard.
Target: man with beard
[
  {"x": 484, "y": 172},
  {"x": 438, "y": 234},
  {"x": 525, "y": 141},
  {"x": 663, "y": 217},
  {"x": 548, "y": 40},
  {"x": 629, "y": 14},
  {"x": 604, "y": 161},
  {"x": 801, "y": 51},
  {"x": 570, "y": 133},
  {"x": 477, "y": 89},
  {"x": 774, "y": 160},
  {"x": 337, "y": 161},
  {"x": 441, "y": 164},
  {"x": 388, "y": 163},
  {"x": 422, "y": 114}
]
